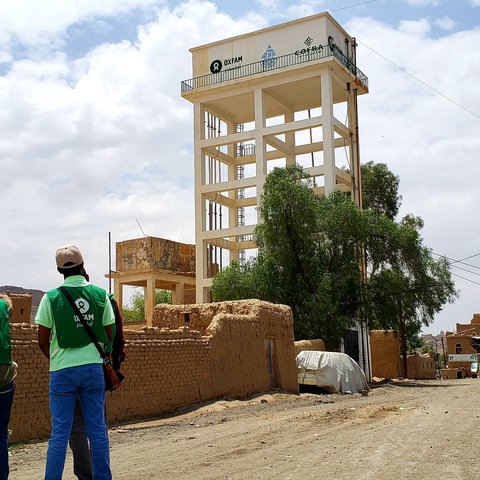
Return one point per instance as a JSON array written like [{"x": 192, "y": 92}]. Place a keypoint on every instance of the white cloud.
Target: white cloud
[
  {"x": 416, "y": 28},
  {"x": 445, "y": 23},
  {"x": 92, "y": 144},
  {"x": 31, "y": 22}
]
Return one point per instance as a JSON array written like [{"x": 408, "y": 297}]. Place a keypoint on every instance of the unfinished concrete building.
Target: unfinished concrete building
[
  {"x": 155, "y": 263},
  {"x": 273, "y": 97}
]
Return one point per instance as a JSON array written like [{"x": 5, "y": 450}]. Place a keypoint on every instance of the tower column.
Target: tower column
[
  {"x": 200, "y": 224},
  {"x": 260, "y": 145},
  {"x": 328, "y": 131},
  {"x": 290, "y": 138}
]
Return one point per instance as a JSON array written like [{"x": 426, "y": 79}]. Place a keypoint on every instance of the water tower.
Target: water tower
[{"x": 273, "y": 97}]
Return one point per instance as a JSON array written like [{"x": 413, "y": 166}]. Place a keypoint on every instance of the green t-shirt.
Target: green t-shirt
[
  {"x": 90, "y": 300},
  {"x": 70, "y": 357},
  {"x": 5, "y": 341}
]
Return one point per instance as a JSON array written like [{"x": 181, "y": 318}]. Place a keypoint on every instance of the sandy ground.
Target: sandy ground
[{"x": 404, "y": 430}]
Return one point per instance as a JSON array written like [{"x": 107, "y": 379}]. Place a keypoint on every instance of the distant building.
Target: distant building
[
  {"x": 437, "y": 342},
  {"x": 22, "y": 308},
  {"x": 463, "y": 347}
]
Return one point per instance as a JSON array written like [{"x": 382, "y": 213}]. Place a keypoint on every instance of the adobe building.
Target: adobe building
[
  {"x": 229, "y": 350},
  {"x": 386, "y": 354},
  {"x": 155, "y": 263},
  {"x": 463, "y": 346},
  {"x": 22, "y": 307}
]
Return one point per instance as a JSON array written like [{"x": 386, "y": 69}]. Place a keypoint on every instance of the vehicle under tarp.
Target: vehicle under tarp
[{"x": 332, "y": 371}]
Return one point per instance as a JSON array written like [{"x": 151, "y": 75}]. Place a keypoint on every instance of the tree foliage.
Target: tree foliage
[
  {"x": 311, "y": 250},
  {"x": 135, "y": 312},
  {"x": 380, "y": 189}
]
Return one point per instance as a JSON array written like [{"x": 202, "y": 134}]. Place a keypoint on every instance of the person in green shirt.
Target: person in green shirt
[
  {"x": 75, "y": 364},
  {"x": 82, "y": 460},
  {"x": 8, "y": 372}
]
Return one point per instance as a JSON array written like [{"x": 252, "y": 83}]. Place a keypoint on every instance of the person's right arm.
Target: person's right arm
[{"x": 44, "y": 340}]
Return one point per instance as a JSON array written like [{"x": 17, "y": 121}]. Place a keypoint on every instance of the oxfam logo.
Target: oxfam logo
[
  {"x": 216, "y": 66},
  {"x": 82, "y": 305}
]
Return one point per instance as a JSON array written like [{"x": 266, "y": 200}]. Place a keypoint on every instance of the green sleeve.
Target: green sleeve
[
  {"x": 44, "y": 313},
  {"x": 108, "y": 315}
]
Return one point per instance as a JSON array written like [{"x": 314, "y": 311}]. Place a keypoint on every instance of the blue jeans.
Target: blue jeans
[
  {"x": 87, "y": 383},
  {"x": 6, "y": 401}
]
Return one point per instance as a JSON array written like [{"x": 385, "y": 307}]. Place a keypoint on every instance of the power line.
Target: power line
[
  {"x": 352, "y": 6},
  {"x": 465, "y": 270},
  {"x": 421, "y": 81},
  {"x": 471, "y": 256},
  {"x": 452, "y": 260},
  {"x": 467, "y": 279}
]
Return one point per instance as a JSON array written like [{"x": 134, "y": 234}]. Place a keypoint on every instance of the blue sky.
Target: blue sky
[{"x": 95, "y": 135}]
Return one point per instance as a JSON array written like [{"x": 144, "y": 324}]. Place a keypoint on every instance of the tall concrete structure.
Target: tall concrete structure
[{"x": 274, "y": 97}]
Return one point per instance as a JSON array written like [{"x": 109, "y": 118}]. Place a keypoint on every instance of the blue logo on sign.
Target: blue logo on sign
[{"x": 269, "y": 57}]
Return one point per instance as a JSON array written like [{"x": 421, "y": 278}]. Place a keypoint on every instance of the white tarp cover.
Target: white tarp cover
[{"x": 335, "y": 372}]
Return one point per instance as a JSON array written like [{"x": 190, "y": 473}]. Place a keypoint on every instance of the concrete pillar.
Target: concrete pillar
[
  {"x": 232, "y": 175},
  {"x": 149, "y": 300},
  {"x": 118, "y": 294},
  {"x": 178, "y": 294},
  {"x": 260, "y": 146},
  {"x": 328, "y": 131},
  {"x": 200, "y": 224},
  {"x": 290, "y": 138}
]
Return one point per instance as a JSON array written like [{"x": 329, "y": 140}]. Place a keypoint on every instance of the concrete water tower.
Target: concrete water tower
[{"x": 273, "y": 97}]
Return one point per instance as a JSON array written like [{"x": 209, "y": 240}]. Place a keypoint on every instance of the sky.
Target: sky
[{"x": 95, "y": 137}]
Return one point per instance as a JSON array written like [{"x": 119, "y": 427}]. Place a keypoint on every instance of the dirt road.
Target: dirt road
[{"x": 405, "y": 430}]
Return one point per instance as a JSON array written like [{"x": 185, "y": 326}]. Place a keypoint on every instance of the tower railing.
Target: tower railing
[{"x": 276, "y": 63}]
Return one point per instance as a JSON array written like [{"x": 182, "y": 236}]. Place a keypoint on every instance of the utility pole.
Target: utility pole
[
  {"x": 404, "y": 342},
  {"x": 444, "y": 355}
]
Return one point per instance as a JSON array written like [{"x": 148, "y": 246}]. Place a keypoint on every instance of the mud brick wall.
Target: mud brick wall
[
  {"x": 167, "y": 368},
  {"x": 453, "y": 373},
  {"x": 164, "y": 370},
  {"x": 309, "y": 345},
  {"x": 420, "y": 367},
  {"x": 30, "y": 414},
  {"x": 241, "y": 332},
  {"x": 385, "y": 351}
]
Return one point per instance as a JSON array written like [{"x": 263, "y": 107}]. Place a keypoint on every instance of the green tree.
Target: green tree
[
  {"x": 310, "y": 252},
  {"x": 380, "y": 189},
  {"x": 233, "y": 283},
  {"x": 405, "y": 285},
  {"x": 135, "y": 312},
  {"x": 304, "y": 259}
]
